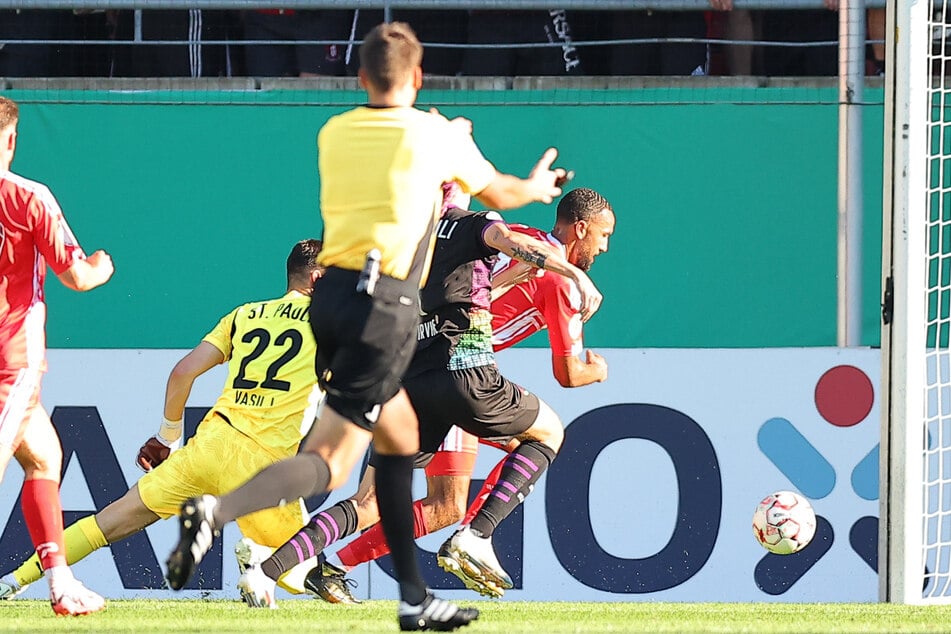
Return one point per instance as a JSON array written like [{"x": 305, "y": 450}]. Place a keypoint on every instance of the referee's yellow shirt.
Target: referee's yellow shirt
[
  {"x": 271, "y": 392},
  {"x": 380, "y": 176}
]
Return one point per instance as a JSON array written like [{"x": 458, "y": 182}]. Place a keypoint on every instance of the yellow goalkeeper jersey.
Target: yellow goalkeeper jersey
[{"x": 271, "y": 393}]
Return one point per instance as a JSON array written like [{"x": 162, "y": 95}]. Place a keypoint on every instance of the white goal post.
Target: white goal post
[{"x": 915, "y": 513}]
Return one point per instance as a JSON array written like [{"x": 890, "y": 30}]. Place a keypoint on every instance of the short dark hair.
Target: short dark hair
[
  {"x": 581, "y": 204},
  {"x": 9, "y": 112},
  {"x": 388, "y": 53},
  {"x": 303, "y": 259}
]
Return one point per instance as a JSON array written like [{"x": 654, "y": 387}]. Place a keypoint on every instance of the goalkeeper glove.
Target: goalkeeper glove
[{"x": 158, "y": 448}]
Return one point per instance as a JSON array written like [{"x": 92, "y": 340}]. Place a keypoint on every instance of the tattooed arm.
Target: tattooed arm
[{"x": 543, "y": 255}]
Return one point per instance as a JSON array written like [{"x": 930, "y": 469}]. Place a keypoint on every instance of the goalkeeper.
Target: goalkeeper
[{"x": 267, "y": 405}]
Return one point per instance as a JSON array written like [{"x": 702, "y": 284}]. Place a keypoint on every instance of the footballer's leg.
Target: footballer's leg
[
  {"x": 156, "y": 495},
  {"x": 396, "y": 442},
  {"x": 329, "y": 452},
  {"x": 470, "y": 548},
  {"x": 40, "y": 456},
  {"x": 324, "y": 528},
  {"x": 448, "y": 473}
]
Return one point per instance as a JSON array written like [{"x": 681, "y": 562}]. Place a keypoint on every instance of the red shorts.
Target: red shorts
[{"x": 19, "y": 394}]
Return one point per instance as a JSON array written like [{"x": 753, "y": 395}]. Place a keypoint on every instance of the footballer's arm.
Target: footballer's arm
[
  {"x": 169, "y": 437},
  {"x": 88, "y": 273},
  {"x": 571, "y": 371},
  {"x": 506, "y": 191},
  {"x": 544, "y": 256},
  {"x": 201, "y": 359}
]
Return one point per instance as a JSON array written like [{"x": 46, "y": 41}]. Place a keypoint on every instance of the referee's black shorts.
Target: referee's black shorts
[
  {"x": 479, "y": 400},
  {"x": 364, "y": 343}
]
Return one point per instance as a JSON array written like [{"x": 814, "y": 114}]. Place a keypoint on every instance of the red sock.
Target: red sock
[
  {"x": 43, "y": 513},
  {"x": 372, "y": 544},
  {"x": 484, "y": 492}
]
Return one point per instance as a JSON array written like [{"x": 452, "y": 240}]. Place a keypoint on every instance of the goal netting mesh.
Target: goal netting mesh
[{"x": 917, "y": 473}]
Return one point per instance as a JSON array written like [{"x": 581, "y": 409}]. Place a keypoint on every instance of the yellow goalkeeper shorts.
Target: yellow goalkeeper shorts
[{"x": 217, "y": 460}]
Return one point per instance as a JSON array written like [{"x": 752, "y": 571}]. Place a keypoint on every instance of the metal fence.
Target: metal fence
[
  {"x": 389, "y": 5},
  {"x": 131, "y": 29}
]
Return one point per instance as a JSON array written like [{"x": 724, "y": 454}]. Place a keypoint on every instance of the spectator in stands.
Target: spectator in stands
[
  {"x": 733, "y": 25},
  {"x": 522, "y": 27},
  {"x": 801, "y": 25},
  {"x": 876, "y": 32},
  {"x": 658, "y": 58},
  {"x": 192, "y": 58},
  {"x": 289, "y": 25}
]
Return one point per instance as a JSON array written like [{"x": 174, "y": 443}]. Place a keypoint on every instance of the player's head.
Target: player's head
[
  {"x": 9, "y": 116},
  {"x": 584, "y": 223},
  {"x": 302, "y": 267},
  {"x": 391, "y": 57},
  {"x": 453, "y": 196}
]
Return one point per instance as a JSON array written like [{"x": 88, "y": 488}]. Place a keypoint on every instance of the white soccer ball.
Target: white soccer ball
[{"x": 784, "y": 523}]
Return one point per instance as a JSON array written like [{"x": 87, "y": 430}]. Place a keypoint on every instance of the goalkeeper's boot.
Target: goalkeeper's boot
[
  {"x": 69, "y": 597},
  {"x": 471, "y": 551},
  {"x": 9, "y": 587},
  {"x": 197, "y": 533},
  {"x": 330, "y": 583},
  {"x": 250, "y": 553},
  {"x": 434, "y": 614},
  {"x": 463, "y": 569},
  {"x": 256, "y": 588}
]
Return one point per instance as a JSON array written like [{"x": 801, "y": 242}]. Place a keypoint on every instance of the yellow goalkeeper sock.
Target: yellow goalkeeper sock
[{"x": 81, "y": 539}]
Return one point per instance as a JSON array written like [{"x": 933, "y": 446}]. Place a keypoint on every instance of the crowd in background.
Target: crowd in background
[{"x": 273, "y": 42}]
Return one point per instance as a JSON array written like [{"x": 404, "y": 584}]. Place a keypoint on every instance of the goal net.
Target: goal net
[{"x": 915, "y": 542}]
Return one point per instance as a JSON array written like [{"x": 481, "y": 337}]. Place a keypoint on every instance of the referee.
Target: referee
[{"x": 381, "y": 166}]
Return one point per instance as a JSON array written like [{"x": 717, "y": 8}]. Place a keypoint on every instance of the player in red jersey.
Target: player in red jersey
[
  {"x": 34, "y": 234},
  {"x": 583, "y": 226}
]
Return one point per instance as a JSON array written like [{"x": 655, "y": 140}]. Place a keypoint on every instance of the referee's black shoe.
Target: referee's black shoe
[
  {"x": 197, "y": 533},
  {"x": 434, "y": 614}
]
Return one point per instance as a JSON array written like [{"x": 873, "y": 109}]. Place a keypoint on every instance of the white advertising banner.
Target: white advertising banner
[{"x": 651, "y": 497}]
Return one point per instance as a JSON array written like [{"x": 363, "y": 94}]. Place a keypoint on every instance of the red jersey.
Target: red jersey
[
  {"x": 33, "y": 233},
  {"x": 548, "y": 299}
]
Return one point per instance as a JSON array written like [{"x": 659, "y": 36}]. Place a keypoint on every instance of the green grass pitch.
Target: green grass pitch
[{"x": 303, "y": 616}]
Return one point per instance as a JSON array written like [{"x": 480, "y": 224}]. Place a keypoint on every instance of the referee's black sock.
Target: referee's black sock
[
  {"x": 521, "y": 470},
  {"x": 323, "y": 529},
  {"x": 300, "y": 476},
  {"x": 394, "y": 496}
]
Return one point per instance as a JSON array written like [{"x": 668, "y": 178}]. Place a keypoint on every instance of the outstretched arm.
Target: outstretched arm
[
  {"x": 204, "y": 357},
  {"x": 544, "y": 256},
  {"x": 169, "y": 437},
  {"x": 510, "y": 192}
]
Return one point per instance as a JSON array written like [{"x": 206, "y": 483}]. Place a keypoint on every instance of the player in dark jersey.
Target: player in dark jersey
[
  {"x": 453, "y": 378},
  {"x": 538, "y": 300}
]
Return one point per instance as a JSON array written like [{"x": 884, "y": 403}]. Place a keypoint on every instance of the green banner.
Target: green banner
[{"x": 726, "y": 205}]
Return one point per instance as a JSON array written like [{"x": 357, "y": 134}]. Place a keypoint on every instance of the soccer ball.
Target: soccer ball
[{"x": 784, "y": 523}]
